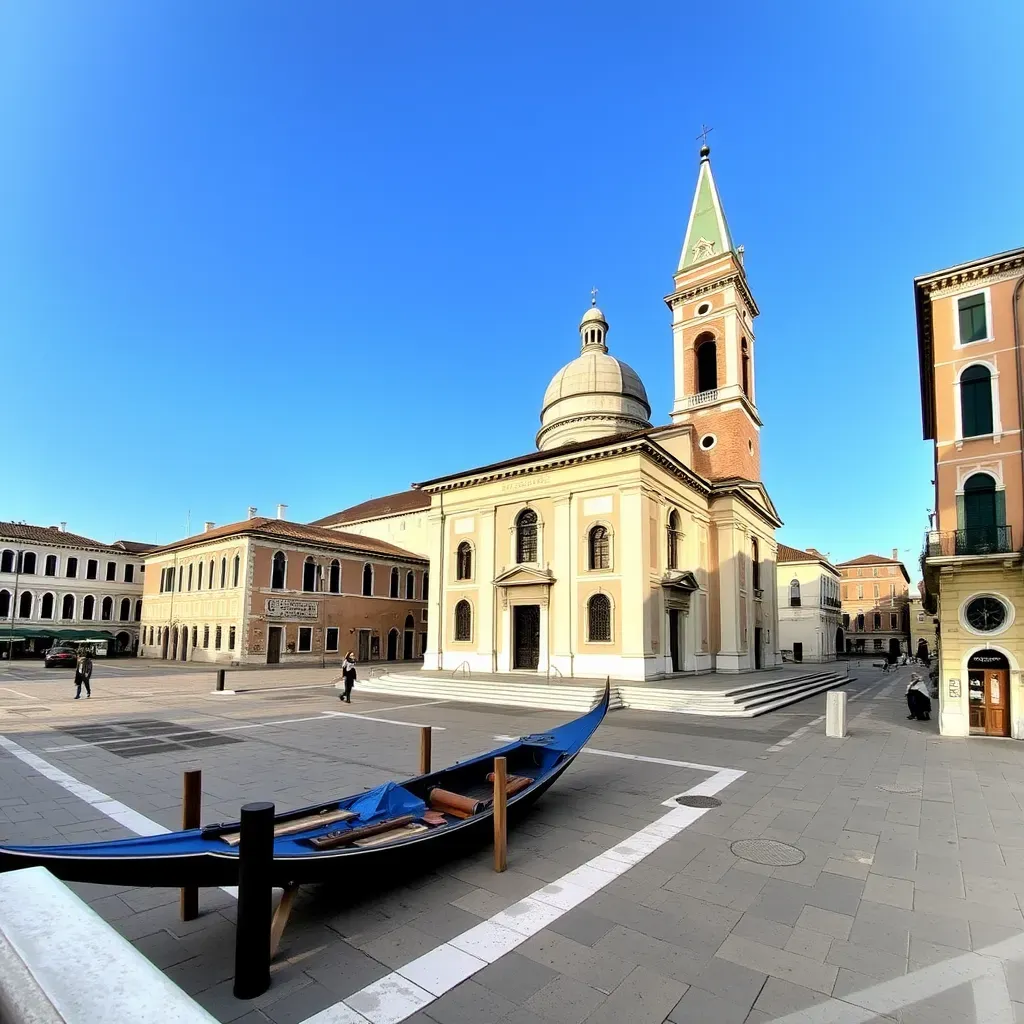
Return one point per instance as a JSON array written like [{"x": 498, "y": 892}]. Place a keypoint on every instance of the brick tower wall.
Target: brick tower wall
[{"x": 732, "y": 455}]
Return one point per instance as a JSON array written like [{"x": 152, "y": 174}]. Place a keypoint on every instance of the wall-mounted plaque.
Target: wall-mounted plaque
[
  {"x": 954, "y": 687},
  {"x": 290, "y": 608}
]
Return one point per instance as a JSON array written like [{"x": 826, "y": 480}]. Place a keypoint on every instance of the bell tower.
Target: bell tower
[{"x": 713, "y": 341}]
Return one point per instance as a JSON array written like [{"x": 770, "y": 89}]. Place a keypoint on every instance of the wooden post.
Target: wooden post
[
  {"x": 281, "y": 915},
  {"x": 253, "y": 929},
  {"x": 500, "y": 823},
  {"x": 191, "y": 814},
  {"x": 425, "y": 734}
]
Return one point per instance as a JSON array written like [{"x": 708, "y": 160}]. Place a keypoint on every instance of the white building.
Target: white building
[
  {"x": 809, "y": 606},
  {"x": 56, "y": 585}
]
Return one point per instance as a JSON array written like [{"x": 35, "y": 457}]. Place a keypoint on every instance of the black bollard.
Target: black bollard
[
  {"x": 252, "y": 933},
  {"x": 220, "y": 679}
]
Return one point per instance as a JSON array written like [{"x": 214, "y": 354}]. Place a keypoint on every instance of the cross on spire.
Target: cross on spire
[
  {"x": 593, "y": 296},
  {"x": 704, "y": 129}
]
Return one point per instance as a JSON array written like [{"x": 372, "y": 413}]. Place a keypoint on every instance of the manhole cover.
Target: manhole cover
[
  {"x": 897, "y": 787},
  {"x": 699, "y": 801},
  {"x": 767, "y": 851}
]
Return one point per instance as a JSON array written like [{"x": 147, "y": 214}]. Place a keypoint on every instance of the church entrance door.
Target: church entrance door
[
  {"x": 526, "y": 636},
  {"x": 757, "y": 647},
  {"x": 673, "y": 639}
]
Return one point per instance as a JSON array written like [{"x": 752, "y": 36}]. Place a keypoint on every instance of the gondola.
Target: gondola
[{"x": 384, "y": 830}]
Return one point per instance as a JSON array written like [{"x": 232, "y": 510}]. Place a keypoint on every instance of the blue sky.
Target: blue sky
[{"x": 308, "y": 253}]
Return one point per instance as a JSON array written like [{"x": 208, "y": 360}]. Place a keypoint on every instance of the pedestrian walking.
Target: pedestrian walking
[
  {"x": 83, "y": 672},
  {"x": 348, "y": 675}
]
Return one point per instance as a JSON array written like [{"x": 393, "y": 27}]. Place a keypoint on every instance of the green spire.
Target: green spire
[{"x": 707, "y": 234}]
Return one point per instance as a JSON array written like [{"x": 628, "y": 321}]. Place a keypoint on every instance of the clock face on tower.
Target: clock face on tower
[{"x": 985, "y": 614}]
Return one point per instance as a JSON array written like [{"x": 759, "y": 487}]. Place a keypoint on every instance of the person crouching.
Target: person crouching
[{"x": 919, "y": 700}]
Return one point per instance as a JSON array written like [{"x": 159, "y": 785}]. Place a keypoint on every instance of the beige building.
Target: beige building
[
  {"x": 808, "y": 602},
  {"x": 969, "y": 323},
  {"x": 267, "y": 591},
  {"x": 617, "y": 547},
  {"x": 875, "y": 591},
  {"x": 56, "y": 585}
]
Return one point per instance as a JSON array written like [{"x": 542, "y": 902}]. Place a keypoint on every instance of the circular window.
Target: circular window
[
  {"x": 703, "y": 308},
  {"x": 985, "y": 614},
  {"x": 708, "y": 441}
]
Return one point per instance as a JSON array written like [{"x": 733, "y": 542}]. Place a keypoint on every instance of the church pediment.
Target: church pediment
[
  {"x": 524, "y": 576},
  {"x": 685, "y": 581}
]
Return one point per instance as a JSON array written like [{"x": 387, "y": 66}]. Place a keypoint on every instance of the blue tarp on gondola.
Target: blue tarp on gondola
[{"x": 387, "y": 801}]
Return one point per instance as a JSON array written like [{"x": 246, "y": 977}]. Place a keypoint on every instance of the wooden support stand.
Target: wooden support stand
[
  {"x": 253, "y": 930},
  {"x": 281, "y": 915},
  {"x": 500, "y": 816},
  {"x": 425, "y": 738},
  {"x": 191, "y": 815}
]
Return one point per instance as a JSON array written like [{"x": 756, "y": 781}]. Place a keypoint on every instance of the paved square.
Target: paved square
[{"x": 618, "y": 904}]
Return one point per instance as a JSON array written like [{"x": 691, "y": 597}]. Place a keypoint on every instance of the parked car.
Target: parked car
[{"x": 60, "y": 656}]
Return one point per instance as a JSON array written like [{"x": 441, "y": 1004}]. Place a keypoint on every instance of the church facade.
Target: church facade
[{"x": 618, "y": 547}]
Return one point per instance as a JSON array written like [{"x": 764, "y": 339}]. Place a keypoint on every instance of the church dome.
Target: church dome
[{"x": 596, "y": 395}]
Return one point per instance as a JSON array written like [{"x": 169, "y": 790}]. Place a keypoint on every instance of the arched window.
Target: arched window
[
  {"x": 426, "y": 584},
  {"x": 138, "y": 611},
  {"x": 195, "y": 636},
  {"x": 71, "y": 568},
  {"x": 7, "y": 561},
  {"x": 209, "y": 578},
  {"x": 393, "y": 591},
  {"x": 107, "y": 609},
  {"x": 794, "y": 594},
  {"x": 50, "y": 568},
  {"x": 67, "y": 607},
  {"x": 860, "y": 623},
  {"x": 599, "y": 619},
  {"x": 309, "y": 575},
  {"x": 28, "y": 563},
  {"x": 976, "y": 401},
  {"x": 745, "y": 366},
  {"x": 367, "y": 580},
  {"x": 126, "y": 610},
  {"x": 463, "y": 621},
  {"x": 410, "y": 585},
  {"x": 526, "y": 536},
  {"x": 199, "y": 585},
  {"x": 982, "y": 515},
  {"x": 25, "y": 605},
  {"x": 599, "y": 556},
  {"x": 707, "y": 363},
  {"x": 5, "y": 604},
  {"x": 88, "y": 608},
  {"x": 190, "y": 568},
  {"x": 464, "y": 562},
  {"x": 334, "y": 579},
  {"x": 673, "y": 539},
  {"x": 235, "y": 569},
  {"x": 223, "y": 573},
  {"x": 755, "y": 562},
  {"x": 46, "y": 607},
  {"x": 277, "y": 575},
  {"x": 410, "y": 622}
]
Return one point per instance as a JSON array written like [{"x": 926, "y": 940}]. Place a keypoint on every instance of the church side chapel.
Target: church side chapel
[{"x": 618, "y": 547}]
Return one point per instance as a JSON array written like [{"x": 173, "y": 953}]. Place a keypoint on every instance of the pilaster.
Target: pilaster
[
  {"x": 433, "y": 657},
  {"x": 486, "y": 641},
  {"x": 635, "y": 634}
]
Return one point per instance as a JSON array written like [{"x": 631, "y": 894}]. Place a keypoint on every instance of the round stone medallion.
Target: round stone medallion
[
  {"x": 699, "y": 801},
  {"x": 768, "y": 851}
]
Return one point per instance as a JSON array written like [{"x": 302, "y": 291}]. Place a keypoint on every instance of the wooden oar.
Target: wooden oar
[
  {"x": 298, "y": 825},
  {"x": 349, "y": 835}
]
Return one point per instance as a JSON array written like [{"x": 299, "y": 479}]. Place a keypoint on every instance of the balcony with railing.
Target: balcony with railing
[
  {"x": 701, "y": 398},
  {"x": 977, "y": 540}
]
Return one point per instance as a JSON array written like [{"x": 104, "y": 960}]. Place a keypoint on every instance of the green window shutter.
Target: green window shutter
[
  {"x": 961, "y": 515},
  {"x": 976, "y": 401},
  {"x": 972, "y": 318},
  {"x": 1000, "y": 508}
]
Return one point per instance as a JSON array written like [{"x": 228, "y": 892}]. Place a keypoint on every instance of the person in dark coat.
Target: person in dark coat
[
  {"x": 348, "y": 675},
  {"x": 83, "y": 672},
  {"x": 919, "y": 700}
]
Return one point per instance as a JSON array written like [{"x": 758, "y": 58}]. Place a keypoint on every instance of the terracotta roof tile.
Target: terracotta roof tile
[
  {"x": 788, "y": 554},
  {"x": 284, "y": 530},
  {"x": 376, "y": 508},
  {"x": 47, "y": 535},
  {"x": 871, "y": 560},
  {"x": 133, "y": 547}
]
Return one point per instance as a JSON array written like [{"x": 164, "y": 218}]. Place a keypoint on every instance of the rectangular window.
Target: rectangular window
[
  {"x": 846, "y": 620},
  {"x": 874, "y": 570},
  {"x": 892, "y": 570},
  {"x": 971, "y": 312},
  {"x": 860, "y": 591},
  {"x": 72, "y": 568},
  {"x": 876, "y": 591},
  {"x": 892, "y": 593},
  {"x": 331, "y": 641},
  {"x": 305, "y": 639},
  {"x": 231, "y": 638},
  {"x": 206, "y": 636},
  {"x": 877, "y": 620},
  {"x": 129, "y": 573},
  {"x": 894, "y": 621},
  {"x": 216, "y": 638},
  {"x": 111, "y": 571},
  {"x": 878, "y": 645},
  {"x": 90, "y": 569}
]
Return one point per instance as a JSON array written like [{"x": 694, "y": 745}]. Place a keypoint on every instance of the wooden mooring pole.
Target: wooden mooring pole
[
  {"x": 425, "y": 739},
  {"x": 191, "y": 815},
  {"x": 500, "y": 815}
]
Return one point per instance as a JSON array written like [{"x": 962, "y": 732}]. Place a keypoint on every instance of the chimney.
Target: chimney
[
  {"x": 63, "y": 527},
  {"x": 281, "y": 509},
  {"x": 896, "y": 554},
  {"x": 208, "y": 526},
  {"x": 252, "y": 512}
]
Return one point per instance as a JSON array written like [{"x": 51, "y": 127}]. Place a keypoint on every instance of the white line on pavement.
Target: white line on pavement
[
  {"x": 408, "y": 990},
  {"x": 386, "y": 721},
  {"x": 402, "y": 707},
  {"x": 640, "y": 757},
  {"x": 27, "y": 696}
]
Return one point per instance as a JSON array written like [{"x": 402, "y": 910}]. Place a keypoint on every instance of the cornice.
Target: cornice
[
  {"x": 715, "y": 284},
  {"x": 946, "y": 283}
]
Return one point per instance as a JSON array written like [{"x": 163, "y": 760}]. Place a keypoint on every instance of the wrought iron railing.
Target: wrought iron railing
[{"x": 975, "y": 540}]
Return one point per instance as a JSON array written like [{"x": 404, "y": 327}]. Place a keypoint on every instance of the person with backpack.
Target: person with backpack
[
  {"x": 348, "y": 675},
  {"x": 83, "y": 672}
]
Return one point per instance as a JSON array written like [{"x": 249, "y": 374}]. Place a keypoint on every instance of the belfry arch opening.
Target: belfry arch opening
[{"x": 707, "y": 363}]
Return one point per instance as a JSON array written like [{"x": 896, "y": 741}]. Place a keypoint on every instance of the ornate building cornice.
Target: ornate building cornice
[{"x": 736, "y": 278}]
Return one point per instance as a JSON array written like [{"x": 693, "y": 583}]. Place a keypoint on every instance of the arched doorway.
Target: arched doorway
[
  {"x": 894, "y": 648},
  {"x": 988, "y": 693},
  {"x": 977, "y": 534},
  {"x": 124, "y": 642},
  {"x": 840, "y": 642},
  {"x": 922, "y": 651},
  {"x": 184, "y": 644},
  {"x": 392, "y": 644},
  {"x": 410, "y": 626},
  {"x": 174, "y": 644}
]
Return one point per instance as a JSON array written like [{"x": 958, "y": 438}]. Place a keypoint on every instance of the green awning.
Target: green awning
[{"x": 58, "y": 634}]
